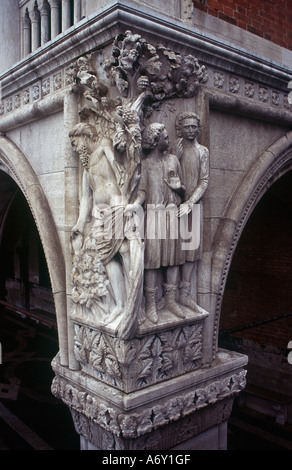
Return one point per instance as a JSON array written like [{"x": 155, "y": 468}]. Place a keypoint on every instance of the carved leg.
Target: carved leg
[
  {"x": 126, "y": 257},
  {"x": 116, "y": 287},
  {"x": 170, "y": 301},
  {"x": 185, "y": 296},
  {"x": 187, "y": 270},
  {"x": 150, "y": 303}
]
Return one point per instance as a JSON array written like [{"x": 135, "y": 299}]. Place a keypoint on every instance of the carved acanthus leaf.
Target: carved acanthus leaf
[
  {"x": 140, "y": 362},
  {"x": 133, "y": 424}
]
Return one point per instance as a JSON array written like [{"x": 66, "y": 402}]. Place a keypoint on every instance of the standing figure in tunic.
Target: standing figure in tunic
[
  {"x": 194, "y": 161},
  {"x": 160, "y": 191}
]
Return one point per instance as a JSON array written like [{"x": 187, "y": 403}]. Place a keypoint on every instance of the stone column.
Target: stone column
[
  {"x": 45, "y": 23},
  {"x": 35, "y": 28},
  {"x": 71, "y": 117},
  {"x": 66, "y": 14},
  {"x": 77, "y": 11},
  {"x": 189, "y": 412},
  {"x": 26, "y": 34},
  {"x": 140, "y": 372},
  {"x": 11, "y": 31},
  {"x": 55, "y": 18}
]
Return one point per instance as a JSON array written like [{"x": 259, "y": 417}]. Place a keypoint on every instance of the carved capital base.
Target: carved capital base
[
  {"x": 161, "y": 416},
  {"x": 152, "y": 357},
  {"x": 188, "y": 433}
]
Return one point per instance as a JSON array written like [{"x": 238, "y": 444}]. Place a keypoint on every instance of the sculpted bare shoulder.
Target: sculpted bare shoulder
[{"x": 203, "y": 150}]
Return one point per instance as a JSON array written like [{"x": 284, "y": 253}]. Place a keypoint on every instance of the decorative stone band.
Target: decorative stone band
[
  {"x": 131, "y": 425},
  {"x": 225, "y": 91},
  {"x": 185, "y": 430},
  {"x": 141, "y": 362}
]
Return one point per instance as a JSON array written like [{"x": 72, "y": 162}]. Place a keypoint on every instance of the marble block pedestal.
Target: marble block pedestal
[{"x": 187, "y": 412}]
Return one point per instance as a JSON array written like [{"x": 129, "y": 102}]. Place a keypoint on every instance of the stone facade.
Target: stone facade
[{"x": 134, "y": 376}]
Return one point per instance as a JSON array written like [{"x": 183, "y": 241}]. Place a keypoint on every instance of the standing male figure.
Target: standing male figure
[
  {"x": 194, "y": 161},
  {"x": 160, "y": 190},
  {"x": 104, "y": 287}
]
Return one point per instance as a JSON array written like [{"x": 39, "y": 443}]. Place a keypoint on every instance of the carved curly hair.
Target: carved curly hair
[
  {"x": 151, "y": 135},
  {"x": 84, "y": 129},
  {"x": 185, "y": 115}
]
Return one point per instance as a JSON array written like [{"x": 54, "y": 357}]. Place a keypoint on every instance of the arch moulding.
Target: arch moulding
[
  {"x": 265, "y": 169},
  {"x": 18, "y": 167}
]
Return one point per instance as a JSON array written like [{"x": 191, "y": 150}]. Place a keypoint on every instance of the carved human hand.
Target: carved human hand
[
  {"x": 185, "y": 208},
  {"x": 76, "y": 238},
  {"x": 130, "y": 208},
  {"x": 173, "y": 183},
  {"x": 121, "y": 145}
]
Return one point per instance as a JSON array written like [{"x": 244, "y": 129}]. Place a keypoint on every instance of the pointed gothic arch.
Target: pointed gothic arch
[
  {"x": 265, "y": 169},
  {"x": 16, "y": 165}
]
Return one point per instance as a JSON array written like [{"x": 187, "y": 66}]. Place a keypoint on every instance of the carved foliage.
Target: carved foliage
[
  {"x": 139, "y": 68},
  {"x": 141, "y": 362},
  {"x": 135, "y": 424}
]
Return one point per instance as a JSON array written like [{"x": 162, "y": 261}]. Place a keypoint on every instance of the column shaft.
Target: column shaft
[
  {"x": 26, "y": 34},
  {"x": 66, "y": 14},
  {"x": 55, "y": 18},
  {"x": 45, "y": 22},
  {"x": 77, "y": 11},
  {"x": 35, "y": 28}
]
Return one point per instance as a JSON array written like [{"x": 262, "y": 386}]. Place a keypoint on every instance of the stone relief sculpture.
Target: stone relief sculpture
[
  {"x": 126, "y": 164},
  {"x": 101, "y": 281},
  {"x": 194, "y": 161},
  {"x": 140, "y": 371},
  {"x": 151, "y": 418},
  {"x": 160, "y": 188},
  {"x": 150, "y": 358}
]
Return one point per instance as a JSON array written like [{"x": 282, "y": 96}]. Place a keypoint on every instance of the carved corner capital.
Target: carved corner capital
[{"x": 124, "y": 420}]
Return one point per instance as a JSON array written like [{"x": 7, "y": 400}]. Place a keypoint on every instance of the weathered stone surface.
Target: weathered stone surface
[
  {"x": 143, "y": 361},
  {"x": 137, "y": 380},
  {"x": 136, "y": 420}
]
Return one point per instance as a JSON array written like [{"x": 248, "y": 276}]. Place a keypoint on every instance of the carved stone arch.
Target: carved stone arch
[
  {"x": 16, "y": 165},
  {"x": 265, "y": 169}
]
